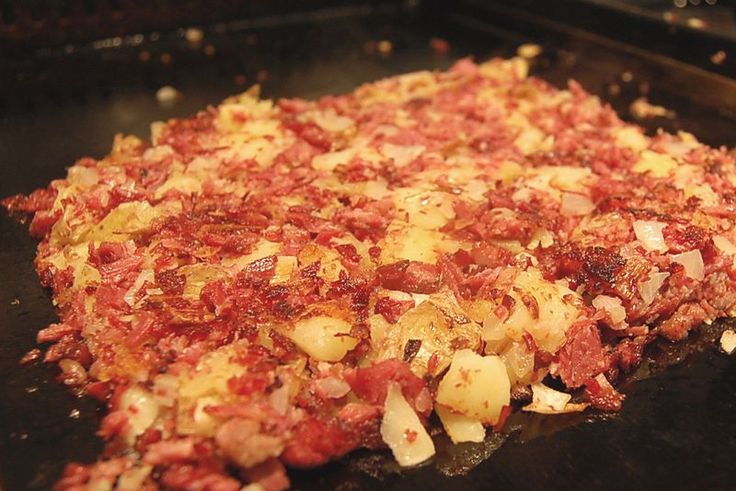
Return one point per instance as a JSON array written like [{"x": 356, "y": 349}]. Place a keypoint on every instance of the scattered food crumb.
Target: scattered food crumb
[
  {"x": 194, "y": 35},
  {"x": 30, "y": 390},
  {"x": 369, "y": 47},
  {"x": 167, "y": 95},
  {"x": 644, "y": 88},
  {"x": 74, "y": 413},
  {"x": 240, "y": 79},
  {"x": 718, "y": 57},
  {"x": 31, "y": 356},
  {"x": 614, "y": 89},
  {"x": 696, "y": 23},
  {"x": 385, "y": 47},
  {"x": 439, "y": 46},
  {"x": 643, "y": 109},
  {"x": 669, "y": 17},
  {"x": 262, "y": 76},
  {"x": 529, "y": 50},
  {"x": 627, "y": 77},
  {"x": 166, "y": 58},
  {"x": 144, "y": 56},
  {"x": 15, "y": 301},
  {"x": 728, "y": 341},
  {"x": 210, "y": 50}
]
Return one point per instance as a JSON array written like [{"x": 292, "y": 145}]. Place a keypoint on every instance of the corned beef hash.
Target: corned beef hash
[{"x": 274, "y": 284}]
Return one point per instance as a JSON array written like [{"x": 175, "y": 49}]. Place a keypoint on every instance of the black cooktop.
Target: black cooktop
[{"x": 677, "y": 429}]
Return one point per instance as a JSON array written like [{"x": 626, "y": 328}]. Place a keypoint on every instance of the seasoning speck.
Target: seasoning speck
[
  {"x": 194, "y": 35},
  {"x": 728, "y": 341},
  {"x": 439, "y": 46},
  {"x": 696, "y": 23},
  {"x": 529, "y": 50},
  {"x": 167, "y": 95},
  {"x": 641, "y": 108},
  {"x": 240, "y": 79},
  {"x": 718, "y": 57},
  {"x": 385, "y": 47}
]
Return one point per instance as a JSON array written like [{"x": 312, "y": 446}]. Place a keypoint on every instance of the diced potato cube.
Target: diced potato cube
[
  {"x": 432, "y": 324},
  {"x": 460, "y": 428},
  {"x": 553, "y": 310},
  {"x": 476, "y": 386},
  {"x": 323, "y": 338}
]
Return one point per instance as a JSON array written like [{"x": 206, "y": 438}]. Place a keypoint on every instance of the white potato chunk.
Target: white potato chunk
[
  {"x": 323, "y": 338},
  {"x": 476, "y": 386},
  {"x": 460, "y": 428}
]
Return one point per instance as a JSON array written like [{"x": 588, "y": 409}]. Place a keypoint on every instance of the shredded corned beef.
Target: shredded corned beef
[{"x": 279, "y": 284}]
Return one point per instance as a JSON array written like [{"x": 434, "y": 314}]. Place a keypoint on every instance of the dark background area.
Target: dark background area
[{"x": 74, "y": 73}]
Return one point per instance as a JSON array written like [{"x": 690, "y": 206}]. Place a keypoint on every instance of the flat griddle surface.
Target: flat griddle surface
[{"x": 677, "y": 428}]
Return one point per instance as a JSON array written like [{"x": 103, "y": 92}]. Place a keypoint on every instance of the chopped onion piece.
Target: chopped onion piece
[
  {"x": 649, "y": 289},
  {"x": 145, "y": 276},
  {"x": 402, "y": 431},
  {"x": 493, "y": 328},
  {"x": 574, "y": 204},
  {"x": 692, "y": 261},
  {"x": 724, "y": 244},
  {"x": 279, "y": 399},
  {"x": 460, "y": 428},
  {"x": 550, "y": 401},
  {"x": 611, "y": 306},
  {"x": 650, "y": 235},
  {"x": 401, "y": 154},
  {"x": 332, "y": 387},
  {"x": 728, "y": 341},
  {"x": 132, "y": 479},
  {"x": 141, "y": 408}
]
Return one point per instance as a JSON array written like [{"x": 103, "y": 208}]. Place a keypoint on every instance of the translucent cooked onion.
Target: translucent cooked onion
[
  {"x": 692, "y": 261},
  {"x": 519, "y": 361},
  {"x": 650, "y": 235},
  {"x": 145, "y": 276},
  {"x": 649, "y": 289},
  {"x": 279, "y": 399},
  {"x": 333, "y": 387},
  {"x": 333, "y": 122},
  {"x": 493, "y": 328},
  {"x": 574, "y": 204},
  {"x": 724, "y": 244},
  {"x": 402, "y": 430},
  {"x": 401, "y": 154},
  {"x": 550, "y": 401},
  {"x": 611, "y": 306},
  {"x": 141, "y": 409}
]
